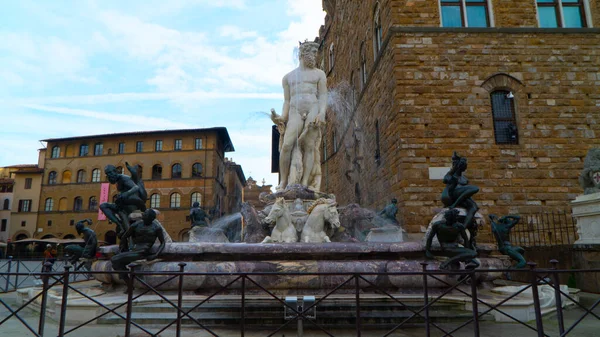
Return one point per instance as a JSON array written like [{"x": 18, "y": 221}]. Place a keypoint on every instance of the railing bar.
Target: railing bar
[
  {"x": 581, "y": 318},
  {"x": 19, "y": 318}
]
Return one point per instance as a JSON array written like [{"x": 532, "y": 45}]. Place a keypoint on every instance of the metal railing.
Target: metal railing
[
  {"x": 463, "y": 282},
  {"x": 547, "y": 228},
  {"x": 21, "y": 273}
]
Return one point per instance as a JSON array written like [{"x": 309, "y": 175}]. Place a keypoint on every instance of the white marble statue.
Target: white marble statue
[
  {"x": 284, "y": 230},
  {"x": 320, "y": 212},
  {"x": 302, "y": 121}
]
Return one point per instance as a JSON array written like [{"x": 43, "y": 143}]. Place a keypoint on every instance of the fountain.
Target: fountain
[{"x": 302, "y": 229}]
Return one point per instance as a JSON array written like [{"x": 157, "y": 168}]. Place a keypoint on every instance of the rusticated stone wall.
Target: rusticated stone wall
[{"x": 428, "y": 94}]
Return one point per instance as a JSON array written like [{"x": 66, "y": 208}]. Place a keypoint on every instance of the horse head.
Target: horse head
[
  {"x": 277, "y": 211},
  {"x": 331, "y": 215}
]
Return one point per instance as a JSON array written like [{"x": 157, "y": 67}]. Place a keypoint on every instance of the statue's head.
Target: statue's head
[
  {"x": 111, "y": 173},
  {"x": 81, "y": 225},
  {"x": 451, "y": 216},
  {"x": 394, "y": 201},
  {"x": 308, "y": 53},
  {"x": 196, "y": 204},
  {"x": 149, "y": 215}
]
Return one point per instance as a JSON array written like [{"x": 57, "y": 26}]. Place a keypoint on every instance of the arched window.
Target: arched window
[
  {"x": 49, "y": 205},
  {"x": 196, "y": 197},
  {"x": 96, "y": 175},
  {"x": 6, "y": 204},
  {"x": 56, "y": 152},
  {"x": 377, "y": 31},
  {"x": 363, "y": 66},
  {"x": 156, "y": 172},
  {"x": 77, "y": 204},
  {"x": 66, "y": 177},
  {"x": 176, "y": 171},
  {"x": 52, "y": 178},
  {"x": 155, "y": 200},
  {"x": 175, "y": 200},
  {"x": 503, "y": 113},
  {"x": 331, "y": 57},
  {"x": 196, "y": 170},
  {"x": 93, "y": 204},
  {"x": 81, "y": 176},
  {"x": 62, "y": 204}
]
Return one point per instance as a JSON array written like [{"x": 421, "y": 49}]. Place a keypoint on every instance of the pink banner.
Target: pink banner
[{"x": 104, "y": 187}]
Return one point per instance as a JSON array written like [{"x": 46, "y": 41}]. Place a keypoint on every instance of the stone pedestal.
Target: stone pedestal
[{"x": 586, "y": 209}]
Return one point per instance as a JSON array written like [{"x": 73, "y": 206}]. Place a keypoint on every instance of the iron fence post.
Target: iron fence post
[
  {"x": 558, "y": 297},
  {"x": 536, "y": 300},
  {"x": 8, "y": 274},
  {"x": 63, "y": 303},
  {"x": 180, "y": 298},
  {"x": 357, "y": 294},
  {"x": 46, "y": 269},
  {"x": 243, "y": 318},
  {"x": 129, "y": 283},
  {"x": 426, "y": 298},
  {"x": 17, "y": 275},
  {"x": 474, "y": 303}
]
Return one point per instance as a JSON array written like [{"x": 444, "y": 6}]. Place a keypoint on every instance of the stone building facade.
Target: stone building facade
[
  {"x": 235, "y": 181},
  {"x": 19, "y": 197},
  {"x": 510, "y": 84},
  {"x": 252, "y": 192},
  {"x": 178, "y": 168}
]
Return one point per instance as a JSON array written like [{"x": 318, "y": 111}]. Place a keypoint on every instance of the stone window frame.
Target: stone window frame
[
  {"x": 175, "y": 200},
  {"x": 80, "y": 176},
  {"x": 157, "y": 172},
  {"x": 48, "y": 204},
  {"x": 96, "y": 175},
  {"x": 155, "y": 200},
  {"x": 464, "y": 17},
  {"x": 158, "y": 145},
  {"x": 198, "y": 144},
  {"x": 377, "y": 30},
  {"x": 363, "y": 66},
  {"x": 28, "y": 183},
  {"x": 178, "y": 145},
  {"x": 174, "y": 174},
  {"x": 77, "y": 204},
  {"x": 509, "y": 84},
  {"x": 121, "y": 147},
  {"x": 139, "y": 146},
  {"x": 52, "y": 176},
  {"x": 98, "y": 149},
  {"x": 195, "y": 196},
  {"x": 93, "y": 203},
  {"x": 560, "y": 17},
  {"x": 55, "y": 152},
  {"x": 84, "y": 150},
  {"x": 195, "y": 172}
]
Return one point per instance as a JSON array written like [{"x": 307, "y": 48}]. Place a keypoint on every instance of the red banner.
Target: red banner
[{"x": 104, "y": 187}]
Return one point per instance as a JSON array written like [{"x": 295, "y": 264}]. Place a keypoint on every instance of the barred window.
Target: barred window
[{"x": 503, "y": 112}]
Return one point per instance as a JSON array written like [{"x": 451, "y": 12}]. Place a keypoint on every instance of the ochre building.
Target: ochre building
[
  {"x": 178, "y": 168},
  {"x": 510, "y": 84}
]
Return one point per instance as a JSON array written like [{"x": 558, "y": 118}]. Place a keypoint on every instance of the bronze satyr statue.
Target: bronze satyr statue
[
  {"x": 197, "y": 216},
  {"x": 77, "y": 252},
  {"x": 144, "y": 233},
  {"x": 458, "y": 193},
  {"x": 448, "y": 232},
  {"x": 501, "y": 229},
  {"x": 390, "y": 211},
  {"x": 132, "y": 196}
]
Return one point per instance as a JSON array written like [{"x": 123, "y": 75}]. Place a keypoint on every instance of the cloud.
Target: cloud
[
  {"x": 236, "y": 32},
  {"x": 142, "y": 96},
  {"x": 157, "y": 123}
]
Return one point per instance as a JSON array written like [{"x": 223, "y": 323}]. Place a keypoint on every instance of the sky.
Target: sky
[{"x": 84, "y": 67}]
